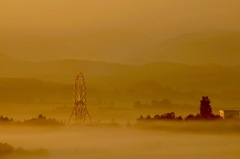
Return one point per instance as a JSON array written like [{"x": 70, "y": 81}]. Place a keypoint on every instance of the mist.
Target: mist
[
  {"x": 137, "y": 58},
  {"x": 87, "y": 142}
]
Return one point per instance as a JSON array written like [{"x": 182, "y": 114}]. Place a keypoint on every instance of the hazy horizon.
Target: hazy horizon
[
  {"x": 154, "y": 75},
  {"x": 132, "y": 32}
]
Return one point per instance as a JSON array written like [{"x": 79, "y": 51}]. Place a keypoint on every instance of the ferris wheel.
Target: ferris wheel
[{"x": 80, "y": 111}]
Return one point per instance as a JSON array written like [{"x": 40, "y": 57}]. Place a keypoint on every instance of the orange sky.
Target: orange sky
[
  {"x": 156, "y": 19},
  {"x": 140, "y": 15}
]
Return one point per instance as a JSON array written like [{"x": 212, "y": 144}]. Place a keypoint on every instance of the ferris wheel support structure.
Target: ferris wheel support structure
[{"x": 80, "y": 111}]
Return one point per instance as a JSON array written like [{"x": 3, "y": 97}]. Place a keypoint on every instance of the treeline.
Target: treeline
[
  {"x": 40, "y": 120},
  {"x": 167, "y": 116},
  {"x": 5, "y": 119},
  {"x": 205, "y": 114}
]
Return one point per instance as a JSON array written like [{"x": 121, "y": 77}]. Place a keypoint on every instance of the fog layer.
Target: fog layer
[{"x": 124, "y": 143}]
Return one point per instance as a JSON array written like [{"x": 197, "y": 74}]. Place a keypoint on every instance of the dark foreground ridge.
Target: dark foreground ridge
[{"x": 6, "y": 150}]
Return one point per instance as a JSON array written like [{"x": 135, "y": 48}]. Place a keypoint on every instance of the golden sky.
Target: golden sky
[
  {"x": 155, "y": 19},
  {"x": 140, "y": 15}
]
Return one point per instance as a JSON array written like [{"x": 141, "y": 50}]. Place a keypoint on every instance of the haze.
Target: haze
[
  {"x": 91, "y": 143},
  {"x": 138, "y": 58},
  {"x": 124, "y": 31}
]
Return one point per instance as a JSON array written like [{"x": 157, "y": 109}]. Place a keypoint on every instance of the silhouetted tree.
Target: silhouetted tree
[
  {"x": 40, "y": 116},
  {"x": 5, "y": 120},
  {"x": 179, "y": 118},
  {"x": 157, "y": 117},
  {"x": 148, "y": 117},
  {"x": 166, "y": 116},
  {"x": 205, "y": 108},
  {"x": 205, "y": 111},
  {"x": 192, "y": 117},
  {"x": 42, "y": 120}
]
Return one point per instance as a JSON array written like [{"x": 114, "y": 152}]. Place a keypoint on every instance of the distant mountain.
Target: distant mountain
[
  {"x": 52, "y": 81},
  {"x": 112, "y": 75},
  {"x": 104, "y": 45},
  {"x": 61, "y": 71},
  {"x": 126, "y": 47},
  {"x": 201, "y": 48},
  {"x": 28, "y": 91}
]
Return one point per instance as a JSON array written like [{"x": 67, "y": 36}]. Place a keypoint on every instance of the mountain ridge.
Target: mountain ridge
[
  {"x": 102, "y": 74},
  {"x": 125, "y": 47}
]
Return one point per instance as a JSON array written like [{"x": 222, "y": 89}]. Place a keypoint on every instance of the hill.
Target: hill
[
  {"x": 27, "y": 91},
  {"x": 33, "y": 86},
  {"x": 209, "y": 78},
  {"x": 126, "y": 47},
  {"x": 125, "y": 82},
  {"x": 200, "y": 48}
]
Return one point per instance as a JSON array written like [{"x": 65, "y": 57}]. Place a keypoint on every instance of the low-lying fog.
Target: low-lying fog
[{"x": 118, "y": 143}]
